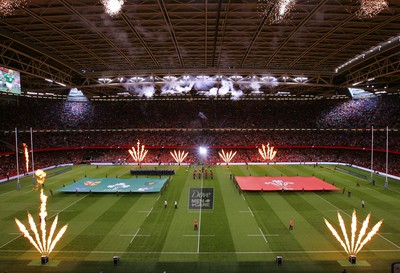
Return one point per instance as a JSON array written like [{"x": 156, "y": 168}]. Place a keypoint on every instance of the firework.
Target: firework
[
  {"x": 276, "y": 11},
  {"x": 267, "y": 152},
  {"x": 371, "y": 8},
  {"x": 138, "y": 153},
  {"x": 227, "y": 157},
  {"x": 112, "y": 7},
  {"x": 351, "y": 246},
  {"x": 39, "y": 240},
  {"x": 179, "y": 156},
  {"x": 26, "y": 155},
  {"x": 7, "y": 7}
]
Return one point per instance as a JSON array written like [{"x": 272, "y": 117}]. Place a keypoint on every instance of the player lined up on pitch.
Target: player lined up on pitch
[
  {"x": 291, "y": 225},
  {"x": 203, "y": 172}
]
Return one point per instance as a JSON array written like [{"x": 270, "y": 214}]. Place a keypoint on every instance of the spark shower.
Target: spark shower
[
  {"x": 43, "y": 243},
  {"x": 356, "y": 242}
]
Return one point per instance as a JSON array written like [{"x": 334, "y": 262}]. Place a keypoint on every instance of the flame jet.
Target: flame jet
[
  {"x": 39, "y": 240},
  {"x": 357, "y": 242}
]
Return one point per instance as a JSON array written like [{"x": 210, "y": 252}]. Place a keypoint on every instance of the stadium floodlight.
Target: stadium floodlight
[{"x": 202, "y": 151}]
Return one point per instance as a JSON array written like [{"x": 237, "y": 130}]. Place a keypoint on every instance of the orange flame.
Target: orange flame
[
  {"x": 42, "y": 243},
  {"x": 227, "y": 157},
  {"x": 139, "y": 153},
  {"x": 353, "y": 247},
  {"x": 26, "y": 155},
  {"x": 267, "y": 154},
  {"x": 179, "y": 156}
]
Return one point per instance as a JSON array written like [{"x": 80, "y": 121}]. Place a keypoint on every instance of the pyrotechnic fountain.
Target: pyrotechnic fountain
[
  {"x": 351, "y": 245},
  {"x": 179, "y": 156},
  {"x": 267, "y": 152},
  {"x": 43, "y": 244},
  {"x": 138, "y": 153},
  {"x": 26, "y": 155},
  {"x": 227, "y": 157}
]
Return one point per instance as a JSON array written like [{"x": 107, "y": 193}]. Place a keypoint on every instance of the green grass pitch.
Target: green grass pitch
[{"x": 243, "y": 233}]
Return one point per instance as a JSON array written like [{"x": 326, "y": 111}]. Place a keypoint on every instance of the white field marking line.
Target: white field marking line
[
  {"x": 357, "y": 220},
  {"x": 204, "y": 253},
  {"x": 70, "y": 205},
  {"x": 196, "y": 211},
  {"x": 160, "y": 194},
  {"x": 192, "y": 235},
  {"x": 199, "y": 227},
  {"x": 49, "y": 218},
  {"x": 243, "y": 197},
  {"x": 137, "y": 235},
  {"x": 124, "y": 173},
  {"x": 388, "y": 188},
  {"x": 266, "y": 235},
  {"x": 250, "y": 211},
  {"x": 265, "y": 238},
  {"x": 134, "y": 236},
  {"x": 246, "y": 211},
  {"x": 375, "y": 185},
  {"x": 68, "y": 210},
  {"x": 7, "y": 192},
  {"x": 37, "y": 186},
  {"x": 149, "y": 212}
]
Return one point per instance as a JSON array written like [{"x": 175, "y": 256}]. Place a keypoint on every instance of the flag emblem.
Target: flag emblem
[{"x": 92, "y": 183}]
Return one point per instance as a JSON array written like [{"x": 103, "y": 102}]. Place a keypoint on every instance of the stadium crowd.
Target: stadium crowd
[
  {"x": 59, "y": 114},
  {"x": 82, "y": 132}
]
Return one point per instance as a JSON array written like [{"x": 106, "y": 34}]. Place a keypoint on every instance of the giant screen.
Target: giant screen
[{"x": 10, "y": 81}]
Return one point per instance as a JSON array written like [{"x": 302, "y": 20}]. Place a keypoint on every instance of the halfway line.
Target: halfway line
[{"x": 199, "y": 227}]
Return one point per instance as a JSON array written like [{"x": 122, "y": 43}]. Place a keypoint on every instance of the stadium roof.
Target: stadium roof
[{"x": 177, "y": 46}]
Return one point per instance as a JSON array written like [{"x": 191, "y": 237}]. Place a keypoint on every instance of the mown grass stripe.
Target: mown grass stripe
[{"x": 160, "y": 244}]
